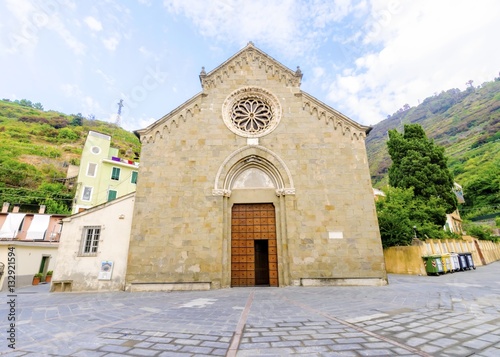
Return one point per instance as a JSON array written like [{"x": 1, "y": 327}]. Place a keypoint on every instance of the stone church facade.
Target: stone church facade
[{"x": 253, "y": 182}]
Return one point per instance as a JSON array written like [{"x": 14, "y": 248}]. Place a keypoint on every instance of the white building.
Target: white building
[{"x": 93, "y": 248}]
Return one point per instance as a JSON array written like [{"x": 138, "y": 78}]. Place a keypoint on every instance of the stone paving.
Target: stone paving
[{"x": 450, "y": 315}]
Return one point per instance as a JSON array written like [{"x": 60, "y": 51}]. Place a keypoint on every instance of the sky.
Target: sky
[{"x": 365, "y": 58}]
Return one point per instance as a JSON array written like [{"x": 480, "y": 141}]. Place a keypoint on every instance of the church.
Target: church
[{"x": 253, "y": 182}]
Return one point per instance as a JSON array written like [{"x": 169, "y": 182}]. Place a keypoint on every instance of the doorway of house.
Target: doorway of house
[
  {"x": 253, "y": 245},
  {"x": 44, "y": 264}
]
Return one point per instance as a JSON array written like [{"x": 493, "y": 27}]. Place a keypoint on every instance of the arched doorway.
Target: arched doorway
[
  {"x": 254, "y": 183},
  {"x": 254, "y": 260}
]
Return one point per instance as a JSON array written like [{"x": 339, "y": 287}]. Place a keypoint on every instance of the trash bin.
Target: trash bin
[
  {"x": 455, "y": 264},
  {"x": 433, "y": 264},
  {"x": 446, "y": 259},
  {"x": 463, "y": 261},
  {"x": 470, "y": 261}
]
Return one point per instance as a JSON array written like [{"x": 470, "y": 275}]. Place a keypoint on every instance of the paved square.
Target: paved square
[{"x": 451, "y": 315}]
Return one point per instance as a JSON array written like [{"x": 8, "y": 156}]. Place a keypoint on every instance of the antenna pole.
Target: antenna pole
[{"x": 119, "y": 115}]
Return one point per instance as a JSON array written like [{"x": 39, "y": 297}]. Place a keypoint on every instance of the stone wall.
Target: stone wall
[{"x": 326, "y": 219}]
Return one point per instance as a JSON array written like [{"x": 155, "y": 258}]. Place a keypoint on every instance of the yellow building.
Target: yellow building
[{"x": 102, "y": 176}]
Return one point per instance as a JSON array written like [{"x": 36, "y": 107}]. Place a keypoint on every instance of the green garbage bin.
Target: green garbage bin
[{"x": 433, "y": 264}]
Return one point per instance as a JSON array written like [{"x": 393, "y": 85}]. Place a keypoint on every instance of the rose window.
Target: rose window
[
  {"x": 251, "y": 112},
  {"x": 251, "y": 115}
]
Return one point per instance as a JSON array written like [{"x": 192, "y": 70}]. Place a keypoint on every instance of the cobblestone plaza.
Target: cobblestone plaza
[{"x": 450, "y": 315}]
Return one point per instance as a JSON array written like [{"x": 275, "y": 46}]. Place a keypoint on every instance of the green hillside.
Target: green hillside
[
  {"x": 467, "y": 124},
  {"x": 36, "y": 147}
]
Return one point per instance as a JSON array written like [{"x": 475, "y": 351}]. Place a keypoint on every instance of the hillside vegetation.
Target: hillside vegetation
[
  {"x": 467, "y": 124},
  {"x": 36, "y": 147}
]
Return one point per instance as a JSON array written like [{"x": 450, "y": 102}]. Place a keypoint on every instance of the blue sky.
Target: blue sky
[{"x": 365, "y": 58}]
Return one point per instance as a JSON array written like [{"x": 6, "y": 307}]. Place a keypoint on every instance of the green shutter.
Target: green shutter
[
  {"x": 111, "y": 195},
  {"x": 115, "y": 174},
  {"x": 134, "y": 177}
]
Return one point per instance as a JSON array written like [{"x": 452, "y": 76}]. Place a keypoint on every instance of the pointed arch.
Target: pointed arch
[{"x": 257, "y": 157}]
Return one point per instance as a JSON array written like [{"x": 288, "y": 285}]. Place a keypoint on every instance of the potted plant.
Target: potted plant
[
  {"x": 48, "y": 277},
  {"x": 37, "y": 278}
]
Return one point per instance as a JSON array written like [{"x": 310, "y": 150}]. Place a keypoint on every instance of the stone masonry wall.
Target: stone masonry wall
[{"x": 331, "y": 225}]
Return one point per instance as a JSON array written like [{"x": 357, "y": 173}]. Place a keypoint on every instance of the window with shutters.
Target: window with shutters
[
  {"x": 134, "y": 177},
  {"x": 111, "y": 195},
  {"x": 115, "y": 174}
]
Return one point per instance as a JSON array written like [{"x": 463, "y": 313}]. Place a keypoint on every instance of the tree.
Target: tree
[
  {"x": 77, "y": 120},
  {"x": 399, "y": 211},
  {"x": 417, "y": 162},
  {"x": 483, "y": 191},
  {"x": 421, "y": 189},
  {"x": 38, "y": 106},
  {"x": 394, "y": 221}
]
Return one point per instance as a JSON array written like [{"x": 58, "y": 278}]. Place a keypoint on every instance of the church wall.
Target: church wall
[{"x": 180, "y": 231}]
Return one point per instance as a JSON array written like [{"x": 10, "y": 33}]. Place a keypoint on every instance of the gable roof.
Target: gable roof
[
  {"x": 246, "y": 54},
  {"x": 104, "y": 205}
]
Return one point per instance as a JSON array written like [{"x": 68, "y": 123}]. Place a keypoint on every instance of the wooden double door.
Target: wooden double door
[{"x": 254, "y": 259}]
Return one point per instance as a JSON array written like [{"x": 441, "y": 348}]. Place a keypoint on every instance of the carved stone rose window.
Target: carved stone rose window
[{"x": 251, "y": 112}]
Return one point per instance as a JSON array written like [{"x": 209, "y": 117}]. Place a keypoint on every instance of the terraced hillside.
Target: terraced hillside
[
  {"x": 36, "y": 147},
  {"x": 467, "y": 124}
]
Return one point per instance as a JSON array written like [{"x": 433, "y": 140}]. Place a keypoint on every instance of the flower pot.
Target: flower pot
[
  {"x": 48, "y": 278},
  {"x": 36, "y": 280}
]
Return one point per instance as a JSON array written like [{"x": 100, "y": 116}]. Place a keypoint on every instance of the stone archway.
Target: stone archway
[{"x": 254, "y": 182}]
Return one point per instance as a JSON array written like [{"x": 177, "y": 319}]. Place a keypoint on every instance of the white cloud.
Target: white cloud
[
  {"x": 290, "y": 26},
  {"x": 111, "y": 43},
  {"x": 31, "y": 19},
  {"x": 425, "y": 47},
  {"x": 93, "y": 23},
  {"x": 20, "y": 27},
  {"x": 110, "y": 81},
  {"x": 70, "y": 90},
  {"x": 73, "y": 43},
  {"x": 148, "y": 54},
  {"x": 85, "y": 103}
]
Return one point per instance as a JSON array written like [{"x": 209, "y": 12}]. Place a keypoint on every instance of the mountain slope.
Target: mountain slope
[
  {"x": 36, "y": 148},
  {"x": 466, "y": 123}
]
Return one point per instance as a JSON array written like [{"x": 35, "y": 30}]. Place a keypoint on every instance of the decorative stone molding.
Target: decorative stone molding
[
  {"x": 251, "y": 112},
  {"x": 163, "y": 126},
  {"x": 220, "y": 192},
  {"x": 257, "y": 156},
  {"x": 285, "y": 192},
  {"x": 330, "y": 115},
  {"x": 250, "y": 55}
]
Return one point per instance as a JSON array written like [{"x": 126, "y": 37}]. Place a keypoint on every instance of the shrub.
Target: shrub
[{"x": 67, "y": 135}]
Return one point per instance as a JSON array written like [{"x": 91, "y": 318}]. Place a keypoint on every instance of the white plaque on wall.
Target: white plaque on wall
[
  {"x": 106, "y": 270},
  {"x": 335, "y": 235},
  {"x": 252, "y": 141}
]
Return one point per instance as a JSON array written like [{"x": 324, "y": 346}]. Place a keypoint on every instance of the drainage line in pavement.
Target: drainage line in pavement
[
  {"x": 360, "y": 329},
  {"x": 235, "y": 342}
]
